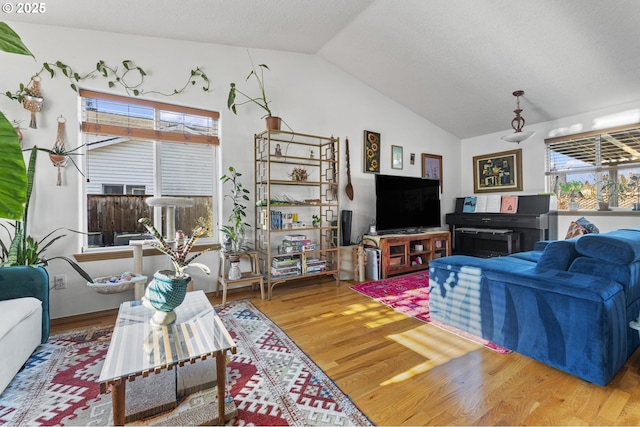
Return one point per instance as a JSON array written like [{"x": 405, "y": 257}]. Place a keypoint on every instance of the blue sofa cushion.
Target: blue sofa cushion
[
  {"x": 618, "y": 247},
  {"x": 558, "y": 255}
]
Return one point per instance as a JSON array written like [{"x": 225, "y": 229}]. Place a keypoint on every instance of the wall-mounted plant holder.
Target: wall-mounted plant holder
[
  {"x": 58, "y": 154},
  {"x": 33, "y": 101}
]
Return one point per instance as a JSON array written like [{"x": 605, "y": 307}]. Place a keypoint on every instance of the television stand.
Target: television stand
[{"x": 407, "y": 253}]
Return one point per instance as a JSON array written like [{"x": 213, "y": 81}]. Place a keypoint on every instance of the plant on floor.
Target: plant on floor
[{"x": 235, "y": 230}]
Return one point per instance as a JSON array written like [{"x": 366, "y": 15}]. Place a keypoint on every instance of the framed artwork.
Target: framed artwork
[
  {"x": 412, "y": 158},
  {"x": 371, "y": 152},
  {"x": 498, "y": 172},
  {"x": 396, "y": 157},
  {"x": 432, "y": 167}
]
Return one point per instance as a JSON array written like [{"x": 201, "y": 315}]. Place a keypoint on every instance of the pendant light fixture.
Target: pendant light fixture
[{"x": 517, "y": 123}]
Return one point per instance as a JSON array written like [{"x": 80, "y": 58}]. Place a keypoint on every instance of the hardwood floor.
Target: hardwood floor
[{"x": 400, "y": 371}]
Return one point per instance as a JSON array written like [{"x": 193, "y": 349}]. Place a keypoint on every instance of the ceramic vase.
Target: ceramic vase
[{"x": 164, "y": 294}]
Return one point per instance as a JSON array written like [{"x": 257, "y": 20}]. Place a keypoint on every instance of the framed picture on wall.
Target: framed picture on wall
[
  {"x": 432, "y": 167},
  {"x": 396, "y": 157},
  {"x": 498, "y": 172},
  {"x": 371, "y": 152}
]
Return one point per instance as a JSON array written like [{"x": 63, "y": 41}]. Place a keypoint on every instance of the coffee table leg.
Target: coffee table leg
[
  {"x": 221, "y": 370},
  {"x": 118, "y": 391}
]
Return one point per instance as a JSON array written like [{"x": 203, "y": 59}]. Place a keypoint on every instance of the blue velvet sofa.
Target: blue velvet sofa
[{"x": 567, "y": 303}]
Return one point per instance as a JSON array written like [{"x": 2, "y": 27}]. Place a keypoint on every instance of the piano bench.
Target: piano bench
[{"x": 472, "y": 240}]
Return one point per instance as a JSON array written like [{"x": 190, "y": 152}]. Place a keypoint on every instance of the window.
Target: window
[
  {"x": 136, "y": 149},
  {"x": 600, "y": 160}
]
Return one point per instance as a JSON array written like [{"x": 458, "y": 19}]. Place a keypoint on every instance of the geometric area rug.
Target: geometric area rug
[
  {"x": 272, "y": 382},
  {"x": 409, "y": 294}
]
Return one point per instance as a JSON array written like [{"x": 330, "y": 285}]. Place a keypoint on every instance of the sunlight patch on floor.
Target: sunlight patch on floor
[{"x": 436, "y": 345}]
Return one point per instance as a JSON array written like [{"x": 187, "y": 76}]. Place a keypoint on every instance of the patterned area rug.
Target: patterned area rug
[
  {"x": 409, "y": 294},
  {"x": 272, "y": 382}
]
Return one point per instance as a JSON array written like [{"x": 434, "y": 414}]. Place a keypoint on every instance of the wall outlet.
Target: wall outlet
[{"x": 60, "y": 282}]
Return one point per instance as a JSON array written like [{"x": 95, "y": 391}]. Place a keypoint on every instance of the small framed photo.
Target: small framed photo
[
  {"x": 498, "y": 172},
  {"x": 396, "y": 157},
  {"x": 432, "y": 167}
]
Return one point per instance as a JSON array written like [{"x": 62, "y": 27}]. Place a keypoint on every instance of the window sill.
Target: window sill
[
  {"x": 127, "y": 252},
  {"x": 612, "y": 212}
]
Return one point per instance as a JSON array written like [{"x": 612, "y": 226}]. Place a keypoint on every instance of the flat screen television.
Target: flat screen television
[{"x": 407, "y": 204}]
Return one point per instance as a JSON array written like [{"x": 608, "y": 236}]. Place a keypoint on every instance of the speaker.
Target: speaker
[{"x": 345, "y": 228}]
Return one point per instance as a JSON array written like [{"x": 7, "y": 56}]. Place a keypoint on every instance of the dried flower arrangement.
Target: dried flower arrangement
[{"x": 299, "y": 174}]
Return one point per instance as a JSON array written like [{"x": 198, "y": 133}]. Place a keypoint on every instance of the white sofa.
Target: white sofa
[{"x": 24, "y": 317}]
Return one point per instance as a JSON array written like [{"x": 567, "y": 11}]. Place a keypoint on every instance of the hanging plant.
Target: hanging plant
[{"x": 130, "y": 77}]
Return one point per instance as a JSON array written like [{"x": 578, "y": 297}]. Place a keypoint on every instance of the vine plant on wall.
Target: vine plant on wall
[{"x": 130, "y": 77}]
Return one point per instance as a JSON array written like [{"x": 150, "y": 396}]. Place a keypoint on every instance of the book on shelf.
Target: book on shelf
[
  {"x": 295, "y": 237},
  {"x": 296, "y": 242}
]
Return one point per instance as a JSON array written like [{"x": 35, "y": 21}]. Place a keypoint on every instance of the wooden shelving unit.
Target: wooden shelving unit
[
  {"x": 406, "y": 253},
  {"x": 287, "y": 203}
]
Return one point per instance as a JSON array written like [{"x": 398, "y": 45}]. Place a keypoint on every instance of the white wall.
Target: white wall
[
  {"x": 533, "y": 158},
  {"x": 311, "y": 95}
]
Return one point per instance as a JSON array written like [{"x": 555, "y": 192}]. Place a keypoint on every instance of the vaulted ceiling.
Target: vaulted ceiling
[{"x": 453, "y": 62}]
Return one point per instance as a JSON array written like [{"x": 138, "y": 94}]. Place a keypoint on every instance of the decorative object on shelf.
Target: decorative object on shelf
[
  {"x": 234, "y": 268},
  {"x": 396, "y": 157},
  {"x": 273, "y": 122},
  {"x": 349, "y": 188},
  {"x": 311, "y": 154},
  {"x": 277, "y": 151},
  {"x": 371, "y": 152},
  {"x": 432, "y": 167},
  {"x": 169, "y": 287},
  {"x": 498, "y": 172},
  {"x": 315, "y": 220},
  {"x": 116, "y": 283},
  {"x": 235, "y": 230},
  {"x": 518, "y": 123},
  {"x": 58, "y": 156},
  {"x": 299, "y": 174},
  {"x": 33, "y": 101}
]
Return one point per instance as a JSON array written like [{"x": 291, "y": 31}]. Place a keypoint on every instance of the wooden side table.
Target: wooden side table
[{"x": 252, "y": 276}]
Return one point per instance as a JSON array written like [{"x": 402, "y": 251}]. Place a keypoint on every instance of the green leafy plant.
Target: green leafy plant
[
  {"x": 26, "y": 250},
  {"x": 130, "y": 77},
  {"x": 235, "y": 230},
  {"x": 180, "y": 255},
  {"x": 571, "y": 189},
  {"x": 615, "y": 189},
  {"x": 260, "y": 100},
  {"x": 13, "y": 179},
  {"x": 315, "y": 220}
]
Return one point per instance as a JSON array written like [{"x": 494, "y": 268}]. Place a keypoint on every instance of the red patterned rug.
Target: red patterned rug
[
  {"x": 409, "y": 294},
  {"x": 272, "y": 382}
]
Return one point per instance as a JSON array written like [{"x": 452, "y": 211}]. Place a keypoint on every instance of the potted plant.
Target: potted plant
[
  {"x": 273, "y": 122},
  {"x": 169, "y": 287},
  {"x": 635, "y": 186},
  {"x": 235, "y": 229},
  {"x": 23, "y": 248},
  {"x": 612, "y": 190},
  {"x": 571, "y": 190}
]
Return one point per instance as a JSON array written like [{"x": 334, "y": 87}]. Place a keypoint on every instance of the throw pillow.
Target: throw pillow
[
  {"x": 591, "y": 229},
  {"x": 575, "y": 230}
]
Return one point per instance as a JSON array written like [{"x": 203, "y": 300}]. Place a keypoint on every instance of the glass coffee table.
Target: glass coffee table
[{"x": 138, "y": 349}]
